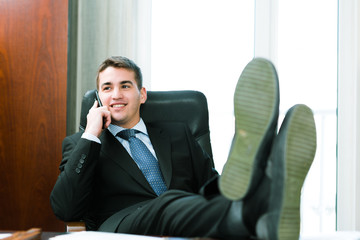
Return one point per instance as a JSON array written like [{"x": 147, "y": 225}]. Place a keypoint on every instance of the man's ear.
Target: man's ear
[{"x": 143, "y": 95}]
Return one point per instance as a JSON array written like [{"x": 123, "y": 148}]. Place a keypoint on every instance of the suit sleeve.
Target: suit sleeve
[{"x": 73, "y": 189}]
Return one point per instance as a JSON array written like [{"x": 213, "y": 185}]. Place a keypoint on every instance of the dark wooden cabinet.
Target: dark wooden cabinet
[{"x": 33, "y": 79}]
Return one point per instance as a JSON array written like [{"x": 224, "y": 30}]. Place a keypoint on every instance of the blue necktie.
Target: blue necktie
[{"x": 147, "y": 163}]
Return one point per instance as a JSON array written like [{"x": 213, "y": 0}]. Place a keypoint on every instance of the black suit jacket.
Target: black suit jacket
[{"x": 98, "y": 180}]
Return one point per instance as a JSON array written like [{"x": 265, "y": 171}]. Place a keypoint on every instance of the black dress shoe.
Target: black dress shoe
[
  {"x": 256, "y": 105},
  {"x": 290, "y": 159}
]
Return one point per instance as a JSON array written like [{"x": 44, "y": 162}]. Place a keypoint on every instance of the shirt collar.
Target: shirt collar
[{"x": 140, "y": 126}]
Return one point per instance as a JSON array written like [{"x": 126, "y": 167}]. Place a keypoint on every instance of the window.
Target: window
[
  {"x": 307, "y": 66},
  {"x": 205, "y": 44}
]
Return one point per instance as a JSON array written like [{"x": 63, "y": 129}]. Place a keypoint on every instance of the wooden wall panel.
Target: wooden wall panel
[{"x": 33, "y": 75}]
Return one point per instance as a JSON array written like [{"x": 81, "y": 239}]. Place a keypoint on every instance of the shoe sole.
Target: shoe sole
[
  {"x": 255, "y": 101},
  {"x": 294, "y": 151},
  {"x": 299, "y": 154}
]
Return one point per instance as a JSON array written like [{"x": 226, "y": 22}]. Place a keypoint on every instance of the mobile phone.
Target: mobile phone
[
  {"x": 98, "y": 98},
  {"x": 100, "y": 104}
]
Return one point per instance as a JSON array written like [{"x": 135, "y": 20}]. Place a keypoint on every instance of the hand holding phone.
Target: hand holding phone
[{"x": 98, "y": 118}]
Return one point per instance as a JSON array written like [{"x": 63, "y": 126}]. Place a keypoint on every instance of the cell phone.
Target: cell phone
[
  {"x": 98, "y": 98},
  {"x": 100, "y": 104}
]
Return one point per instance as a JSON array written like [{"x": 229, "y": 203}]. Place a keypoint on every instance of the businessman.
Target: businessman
[{"x": 125, "y": 175}]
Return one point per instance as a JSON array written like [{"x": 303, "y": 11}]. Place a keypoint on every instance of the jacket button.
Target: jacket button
[
  {"x": 79, "y": 165},
  {"x": 77, "y": 170}
]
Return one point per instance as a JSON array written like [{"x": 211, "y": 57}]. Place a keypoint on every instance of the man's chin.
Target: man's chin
[
  {"x": 125, "y": 121},
  {"x": 118, "y": 122}
]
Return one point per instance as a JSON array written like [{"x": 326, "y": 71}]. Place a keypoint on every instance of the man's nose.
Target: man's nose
[{"x": 117, "y": 93}]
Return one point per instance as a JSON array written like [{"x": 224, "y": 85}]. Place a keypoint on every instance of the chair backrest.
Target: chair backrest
[{"x": 189, "y": 107}]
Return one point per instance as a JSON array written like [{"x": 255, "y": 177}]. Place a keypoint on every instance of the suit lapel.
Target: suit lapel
[
  {"x": 162, "y": 147},
  {"x": 114, "y": 150}
]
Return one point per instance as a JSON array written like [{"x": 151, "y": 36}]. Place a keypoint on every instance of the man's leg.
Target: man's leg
[{"x": 181, "y": 214}]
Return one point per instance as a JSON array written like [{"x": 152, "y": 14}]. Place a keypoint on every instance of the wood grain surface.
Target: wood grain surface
[{"x": 33, "y": 76}]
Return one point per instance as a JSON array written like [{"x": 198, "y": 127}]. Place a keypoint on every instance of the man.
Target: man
[{"x": 108, "y": 184}]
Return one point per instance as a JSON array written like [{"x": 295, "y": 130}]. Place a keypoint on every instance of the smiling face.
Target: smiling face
[{"x": 118, "y": 91}]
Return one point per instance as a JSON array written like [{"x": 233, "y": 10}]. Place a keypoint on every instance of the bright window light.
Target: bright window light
[
  {"x": 307, "y": 67},
  {"x": 203, "y": 45}
]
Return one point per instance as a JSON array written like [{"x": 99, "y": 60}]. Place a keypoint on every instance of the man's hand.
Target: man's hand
[{"x": 97, "y": 119}]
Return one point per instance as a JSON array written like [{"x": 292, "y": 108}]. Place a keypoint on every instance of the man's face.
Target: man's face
[{"x": 118, "y": 91}]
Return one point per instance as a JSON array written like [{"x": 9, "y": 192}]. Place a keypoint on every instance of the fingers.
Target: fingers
[
  {"x": 97, "y": 119},
  {"x": 107, "y": 120}
]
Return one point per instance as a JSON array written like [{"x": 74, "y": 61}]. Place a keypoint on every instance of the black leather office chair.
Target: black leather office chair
[{"x": 189, "y": 107}]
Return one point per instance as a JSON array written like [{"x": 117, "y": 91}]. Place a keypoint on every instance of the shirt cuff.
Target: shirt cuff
[{"x": 90, "y": 137}]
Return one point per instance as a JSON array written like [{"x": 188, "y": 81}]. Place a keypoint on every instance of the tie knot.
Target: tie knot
[{"x": 127, "y": 133}]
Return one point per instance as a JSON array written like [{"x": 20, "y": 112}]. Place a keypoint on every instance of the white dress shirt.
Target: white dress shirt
[{"x": 114, "y": 129}]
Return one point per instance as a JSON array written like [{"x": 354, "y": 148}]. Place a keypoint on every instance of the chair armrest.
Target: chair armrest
[{"x": 75, "y": 226}]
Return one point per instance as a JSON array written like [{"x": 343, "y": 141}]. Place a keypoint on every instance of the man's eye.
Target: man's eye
[
  {"x": 126, "y": 86},
  {"x": 106, "y": 88}
]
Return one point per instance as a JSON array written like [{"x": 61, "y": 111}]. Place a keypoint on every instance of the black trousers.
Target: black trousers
[{"x": 179, "y": 213}]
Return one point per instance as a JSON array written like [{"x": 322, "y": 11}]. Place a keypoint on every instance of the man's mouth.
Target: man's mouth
[{"x": 118, "y": 105}]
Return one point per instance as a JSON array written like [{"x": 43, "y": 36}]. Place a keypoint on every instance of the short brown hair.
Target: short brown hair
[{"x": 120, "y": 62}]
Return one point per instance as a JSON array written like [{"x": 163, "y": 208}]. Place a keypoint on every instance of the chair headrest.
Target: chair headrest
[
  {"x": 189, "y": 107},
  {"x": 180, "y": 106},
  {"x": 184, "y": 106}
]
